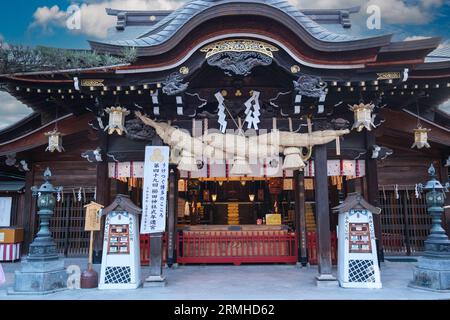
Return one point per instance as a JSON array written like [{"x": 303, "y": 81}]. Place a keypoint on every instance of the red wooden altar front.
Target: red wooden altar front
[{"x": 237, "y": 247}]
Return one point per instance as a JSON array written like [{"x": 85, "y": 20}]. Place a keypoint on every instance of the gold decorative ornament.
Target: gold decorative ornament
[
  {"x": 239, "y": 45},
  {"x": 92, "y": 82},
  {"x": 54, "y": 141},
  {"x": 388, "y": 75},
  {"x": 184, "y": 70},
  {"x": 363, "y": 116},
  {"x": 116, "y": 120},
  {"x": 421, "y": 138},
  {"x": 295, "y": 69}
]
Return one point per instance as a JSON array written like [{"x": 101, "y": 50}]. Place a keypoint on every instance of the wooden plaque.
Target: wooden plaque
[{"x": 92, "y": 220}]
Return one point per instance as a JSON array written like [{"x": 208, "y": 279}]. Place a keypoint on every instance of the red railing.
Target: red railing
[
  {"x": 312, "y": 247},
  {"x": 145, "y": 248},
  {"x": 236, "y": 248}
]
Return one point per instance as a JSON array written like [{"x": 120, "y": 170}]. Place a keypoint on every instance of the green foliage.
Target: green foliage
[{"x": 16, "y": 58}]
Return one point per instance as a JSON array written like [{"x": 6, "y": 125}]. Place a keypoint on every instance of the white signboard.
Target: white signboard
[
  {"x": 154, "y": 202},
  {"x": 5, "y": 211}
]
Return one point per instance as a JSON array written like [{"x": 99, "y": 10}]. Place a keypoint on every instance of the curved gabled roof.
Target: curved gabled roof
[
  {"x": 166, "y": 28},
  {"x": 173, "y": 22}
]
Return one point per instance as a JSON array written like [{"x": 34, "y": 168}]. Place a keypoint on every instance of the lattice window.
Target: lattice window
[
  {"x": 361, "y": 271},
  {"x": 118, "y": 275}
]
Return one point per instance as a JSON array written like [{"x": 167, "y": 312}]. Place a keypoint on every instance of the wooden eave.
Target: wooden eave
[
  {"x": 402, "y": 124},
  {"x": 67, "y": 125}
]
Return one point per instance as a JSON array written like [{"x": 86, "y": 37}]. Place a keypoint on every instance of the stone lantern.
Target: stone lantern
[
  {"x": 433, "y": 269},
  {"x": 42, "y": 272}
]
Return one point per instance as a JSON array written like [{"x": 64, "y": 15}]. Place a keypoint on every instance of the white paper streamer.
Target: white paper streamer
[{"x": 221, "y": 113}]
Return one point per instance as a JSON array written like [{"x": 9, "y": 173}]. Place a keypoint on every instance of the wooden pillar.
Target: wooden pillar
[
  {"x": 103, "y": 195},
  {"x": 103, "y": 198},
  {"x": 372, "y": 191},
  {"x": 300, "y": 216},
  {"x": 172, "y": 216},
  {"x": 29, "y": 211},
  {"x": 325, "y": 276}
]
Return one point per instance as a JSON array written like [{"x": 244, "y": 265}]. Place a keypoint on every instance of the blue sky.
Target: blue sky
[{"x": 42, "y": 22}]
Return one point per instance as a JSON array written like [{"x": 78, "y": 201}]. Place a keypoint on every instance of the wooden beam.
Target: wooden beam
[
  {"x": 29, "y": 210},
  {"x": 372, "y": 190},
  {"x": 172, "y": 216},
  {"x": 103, "y": 189},
  {"x": 323, "y": 215},
  {"x": 300, "y": 216}
]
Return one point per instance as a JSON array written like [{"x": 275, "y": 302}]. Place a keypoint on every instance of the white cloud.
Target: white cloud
[
  {"x": 94, "y": 20},
  {"x": 392, "y": 11},
  {"x": 445, "y": 106},
  {"x": 11, "y": 110},
  {"x": 431, "y": 3}
]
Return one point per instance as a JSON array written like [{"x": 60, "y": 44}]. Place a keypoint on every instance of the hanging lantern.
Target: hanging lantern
[
  {"x": 54, "y": 141},
  {"x": 421, "y": 137},
  {"x": 214, "y": 197},
  {"x": 363, "y": 116},
  {"x": 240, "y": 167},
  {"x": 116, "y": 120},
  {"x": 251, "y": 196}
]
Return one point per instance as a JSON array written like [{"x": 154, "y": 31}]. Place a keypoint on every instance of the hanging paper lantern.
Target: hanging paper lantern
[
  {"x": 363, "y": 116},
  {"x": 116, "y": 120},
  {"x": 54, "y": 141},
  {"x": 421, "y": 138},
  {"x": 240, "y": 167}
]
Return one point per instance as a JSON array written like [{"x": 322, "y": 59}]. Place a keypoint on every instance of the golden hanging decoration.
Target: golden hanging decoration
[
  {"x": 421, "y": 138},
  {"x": 116, "y": 120},
  {"x": 363, "y": 116},
  {"x": 54, "y": 141}
]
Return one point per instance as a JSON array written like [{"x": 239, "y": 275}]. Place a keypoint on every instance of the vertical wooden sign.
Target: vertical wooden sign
[{"x": 92, "y": 223}]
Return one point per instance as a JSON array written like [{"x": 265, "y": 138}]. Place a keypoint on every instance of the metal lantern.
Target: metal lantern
[
  {"x": 421, "y": 138},
  {"x": 435, "y": 199},
  {"x": 43, "y": 247},
  {"x": 363, "y": 116},
  {"x": 54, "y": 141},
  {"x": 116, "y": 120}
]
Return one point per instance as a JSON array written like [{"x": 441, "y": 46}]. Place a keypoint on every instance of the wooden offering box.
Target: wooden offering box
[{"x": 11, "y": 235}]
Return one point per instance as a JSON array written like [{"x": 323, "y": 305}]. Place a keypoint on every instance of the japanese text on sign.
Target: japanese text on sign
[{"x": 156, "y": 173}]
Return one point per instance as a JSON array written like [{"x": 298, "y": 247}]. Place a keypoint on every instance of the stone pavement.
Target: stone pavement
[{"x": 245, "y": 282}]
